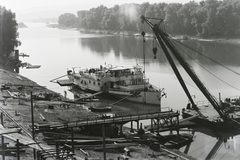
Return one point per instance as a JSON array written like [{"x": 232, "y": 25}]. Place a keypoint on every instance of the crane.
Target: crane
[{"x": 167, "y": 45}]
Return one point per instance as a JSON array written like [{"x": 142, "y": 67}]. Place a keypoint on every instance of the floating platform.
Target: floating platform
[{"x": 65, "y": 82}]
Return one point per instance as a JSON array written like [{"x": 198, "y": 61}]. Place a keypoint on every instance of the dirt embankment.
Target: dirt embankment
[{"x": 20, "y": 110}]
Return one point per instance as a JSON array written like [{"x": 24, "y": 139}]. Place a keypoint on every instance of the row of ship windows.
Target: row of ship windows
[{"x": 85, "y": 83}]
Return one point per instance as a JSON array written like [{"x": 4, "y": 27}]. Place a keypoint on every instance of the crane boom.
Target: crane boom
[{"x": 165, "y": 41}]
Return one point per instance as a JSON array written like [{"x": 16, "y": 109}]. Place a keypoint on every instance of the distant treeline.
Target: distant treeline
[
  {"x": 209, "y": 18},
  {"x": 8, "y": 37}
]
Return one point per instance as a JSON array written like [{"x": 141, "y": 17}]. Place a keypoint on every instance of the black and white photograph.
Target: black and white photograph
[{"x": 120, "y": 80}]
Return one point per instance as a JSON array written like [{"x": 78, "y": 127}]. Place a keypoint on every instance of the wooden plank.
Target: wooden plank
[
  {"x": 8, "y": 131},
  {"x": 5, "y": 94},
  {"x": 65, "y": 82},
  {"x": 25, "y": 140}
]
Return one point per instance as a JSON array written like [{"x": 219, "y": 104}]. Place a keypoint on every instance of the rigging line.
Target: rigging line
[
  {"x": 207, "y": 69},
  {"x": 224, "y": 154},
  {"x": 170, "y": 68},
  {"x": 202, "y": 146},
  {"x": 25, "y": 130},
  {"x": 237, "y": 157},
  {"x": 209, "y": 58},
  {"x": 200, "y": 154},
  {"x": 172, "y": 71},
  {"x": 183, "y": 80}
]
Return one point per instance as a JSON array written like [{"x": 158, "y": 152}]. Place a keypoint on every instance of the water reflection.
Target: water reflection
[
  {"x": 217, "y": 145},
  {"x": 129, "y": 47},
  {"x": 132, "y": 47},
  {"x": 65, "y": 49},
  {"x": 224, "y": 53}
]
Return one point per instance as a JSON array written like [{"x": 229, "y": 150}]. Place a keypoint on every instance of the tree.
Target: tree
[
  {"x": 210, "y": 26},
  {"x": 68, "y": 20},
  {"x": 172, "y": 22},
  {"x": 8, "y": 33},
  {"x": 199, "y": 17},
  {"x": 228, "y": 14},
  {"x": 185, "y": 14},
  {"x": 207, "y": 18}
]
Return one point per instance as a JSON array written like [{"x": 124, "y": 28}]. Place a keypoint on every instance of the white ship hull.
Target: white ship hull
[{"x": 142, "y": 97}]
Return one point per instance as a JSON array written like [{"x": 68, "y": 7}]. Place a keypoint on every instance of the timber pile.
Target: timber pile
[
  {"x": 87, "y": 143},
  {"x": 63, "y": 152},
  {"x": 11, "y": 150}
]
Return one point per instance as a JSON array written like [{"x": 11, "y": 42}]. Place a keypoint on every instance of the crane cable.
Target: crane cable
[
  {"x": 170, "y": 68},
  {"x": 207, "y": 69},
  {"x": 209, "y": 58}
]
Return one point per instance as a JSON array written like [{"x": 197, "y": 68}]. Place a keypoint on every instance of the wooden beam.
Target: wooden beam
[{"x": 9, "y": 131}]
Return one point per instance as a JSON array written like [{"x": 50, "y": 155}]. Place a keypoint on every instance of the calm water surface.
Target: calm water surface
[{"x": 56, "y": 50}]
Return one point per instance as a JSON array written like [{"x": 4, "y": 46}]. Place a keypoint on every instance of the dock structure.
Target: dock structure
[
  {"x": 167, "y": 120},
  {"x": 65, "y": 82}
]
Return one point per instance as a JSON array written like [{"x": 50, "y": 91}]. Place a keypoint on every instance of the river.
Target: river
[{"x": 58, "y": 49}]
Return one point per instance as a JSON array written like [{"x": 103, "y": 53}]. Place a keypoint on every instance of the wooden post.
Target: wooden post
[
  {"x": 2, "y": 118},
  {"x": 72, "y": 136},
  {"x": 121, "y": 129},
  {"x": 152, "y": 130},
  {"x": 131, "y": 126},
  {"x": 177, "y": 124},
  {"x": 38, "y": 155},
  {"x": 158, "y": 127},
  {"x": 219, "y": 97},
  {"x": 103, "y": 135},
  {"x": 18, "y": 153},
  {"x": 171, "y": 130},
  {"x": 17, "y": 60},
  {"x": 3, "y": 147},
  {"x": 33, "y": 132},
  {"x": 137, "y": 124},
  {"x": 57, "y": 153}
]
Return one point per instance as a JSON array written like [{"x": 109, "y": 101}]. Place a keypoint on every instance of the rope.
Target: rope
[
  {"x": 123, "y": 98},
  {"x": 208, "y": 70},
  {"x": 170, "y": 68},
  {"x": 57, "y": 78},
  {"x": 202, "y": 146},
  {"x": 224, "y": 154},
  {"x": 209, "y": 58}
]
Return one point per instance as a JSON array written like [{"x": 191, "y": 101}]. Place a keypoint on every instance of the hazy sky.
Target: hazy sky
[
  {"x": 17, "y": 5},
  {"x": 41, "y": 9}
]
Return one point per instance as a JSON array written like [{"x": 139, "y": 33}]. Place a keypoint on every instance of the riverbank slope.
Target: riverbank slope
[{"x": 20, "y": 110}]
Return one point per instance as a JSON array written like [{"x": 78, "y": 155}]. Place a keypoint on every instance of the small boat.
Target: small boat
[
  {"x": 104, "y": 109},
  {"x": 172, "y": 141},
  {"x": 212, "y": 120},
  {"x": 176, "y": 141},
  {"x": 30, "y": 66}
]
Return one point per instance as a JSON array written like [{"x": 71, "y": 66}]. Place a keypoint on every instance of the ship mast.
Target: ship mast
[{"x": 144, "y": 61}]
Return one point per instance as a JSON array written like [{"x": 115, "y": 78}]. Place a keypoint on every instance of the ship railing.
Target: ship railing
[
  {"x": 202, "y": 103},
  {"x": 165, "y": 109},
  {"x": 121, "y": 117},
  {"x": 146, "y": 80},
  {"x": 207, "y": 103},
  {"x": 232, "y": 99},
  {"x": 125, "y": 90}
]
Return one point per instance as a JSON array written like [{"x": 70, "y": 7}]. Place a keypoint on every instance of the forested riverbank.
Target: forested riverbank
[{"x": 206, "y": 19}]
